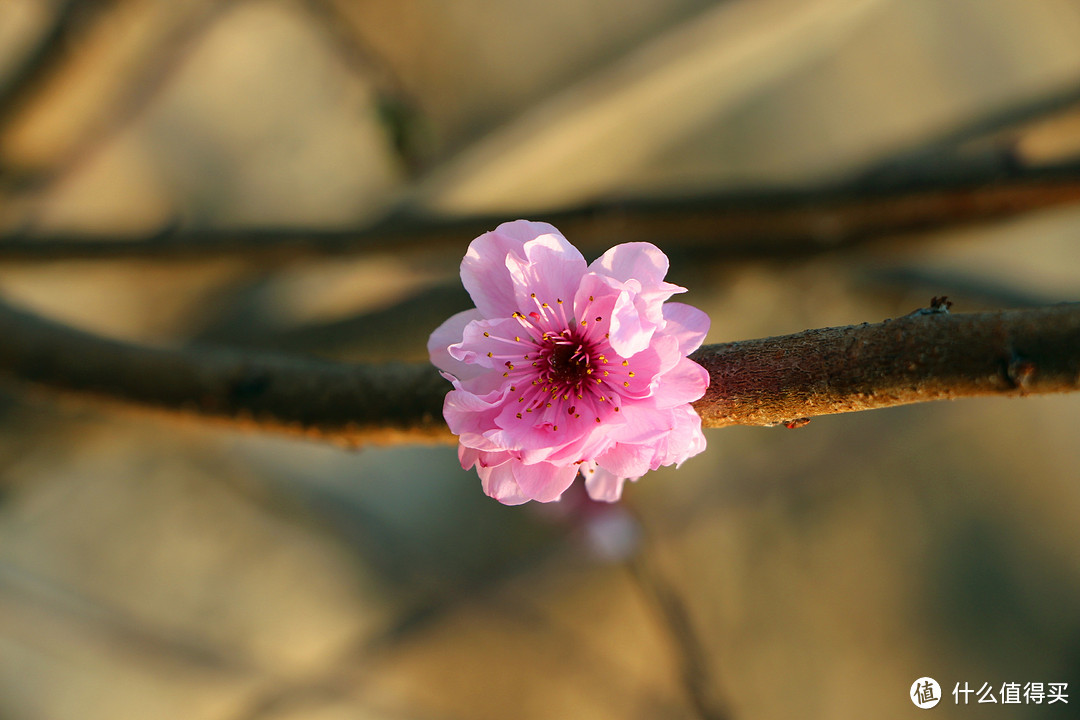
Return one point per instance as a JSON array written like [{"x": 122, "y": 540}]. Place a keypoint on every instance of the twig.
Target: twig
[
  {"x": 928, "y": 355},
  {"x": 697, "y": 667},
  {"x": 762, "y": 224}
]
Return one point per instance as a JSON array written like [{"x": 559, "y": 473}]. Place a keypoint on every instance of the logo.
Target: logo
[{"x": 925, "y": 693}]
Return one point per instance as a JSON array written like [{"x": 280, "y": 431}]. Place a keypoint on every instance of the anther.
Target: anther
[
  {"x": 554, "y": 427},
  {"x": 626, "y": 384},
  {"x": 597, "y": 419},
  {"x": 625, "y": 363},
  {"x": 616, "y": 409},
  {"x": 487, "y": 334},
  {"x": 598, "y": 318},
  {"x": 631, "y": 373},
  {"x": 570, "y": 410},
  {"x": 519, "y": 416},
  {"x": 489, "y": 354}
]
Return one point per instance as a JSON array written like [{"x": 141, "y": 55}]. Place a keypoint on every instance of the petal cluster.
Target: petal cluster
[{"x": 565, "y": 367}]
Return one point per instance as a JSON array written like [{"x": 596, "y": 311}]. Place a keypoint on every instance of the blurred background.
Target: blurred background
[{"x": 160, "y": 569}]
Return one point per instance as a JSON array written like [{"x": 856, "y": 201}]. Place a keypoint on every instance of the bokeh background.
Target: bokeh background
[{"x": 161, "y": 569}]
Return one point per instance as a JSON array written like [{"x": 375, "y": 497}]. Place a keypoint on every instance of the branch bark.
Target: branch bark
[
  {"x": 928, "y": 355},
  {"x": 921, "y": 357}
]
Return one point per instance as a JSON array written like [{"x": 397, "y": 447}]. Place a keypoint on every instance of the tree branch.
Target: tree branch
[
  {"x": 748, "y": 224},
  {"x": 928, "y": 355},
  {"x": 292, "y": 394}
]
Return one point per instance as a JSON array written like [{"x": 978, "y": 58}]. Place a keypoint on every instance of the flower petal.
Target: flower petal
[
  {"x": 543, "y": 481},
  {"x": 602, "y": 485},
  {"x": 550, "y": 270},
  {"x": 626, "y": 460},
  {"x": 499, "y": 482},
  {"x": 687, "y": 324},
  {"x": 639, "y": 261},
  {"x": 447, "y": 334},
  {"x": 684, "y": 383},
  {"x": 483, "y": 270}
]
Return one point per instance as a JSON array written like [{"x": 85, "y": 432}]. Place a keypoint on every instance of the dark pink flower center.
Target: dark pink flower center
[{"x": 569, "y": 362}]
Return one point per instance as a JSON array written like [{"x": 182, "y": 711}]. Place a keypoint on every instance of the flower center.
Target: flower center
[{"x": 568, "y": 363}]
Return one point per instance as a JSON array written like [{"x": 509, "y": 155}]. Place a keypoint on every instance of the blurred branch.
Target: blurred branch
[
  {"x": 928, "y": 355},
  {"x": 50, "y": 52},
  {"x": 762, "y": 224},
  {"x": 147, "y": 77},
  {"x": 331, "y": 401}
]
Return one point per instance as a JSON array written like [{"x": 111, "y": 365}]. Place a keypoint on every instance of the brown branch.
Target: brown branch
[
  {"x": 921, "y": 357},
  {"x": 755, "y": 224},
  {"x": 917, "y": 358},
  {"x": 332, "y": 401},
  {"x": 52, "y": 49}
]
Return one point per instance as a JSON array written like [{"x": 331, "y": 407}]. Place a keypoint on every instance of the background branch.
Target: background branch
[
  {"x": 758, "y": 224},
  {"x": 928, "y": 355}
]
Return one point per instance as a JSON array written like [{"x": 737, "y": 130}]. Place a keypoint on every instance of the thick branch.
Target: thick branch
[
  {"x": 748, "y": 224},
  {"x": 292, "y": 394},
  {"x": 917, "y": 358}
]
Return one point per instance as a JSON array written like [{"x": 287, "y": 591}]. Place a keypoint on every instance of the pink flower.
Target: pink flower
[{"x": 565, "y": 368}]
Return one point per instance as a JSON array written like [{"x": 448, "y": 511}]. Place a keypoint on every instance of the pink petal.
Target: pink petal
[
  {"x": 550, "y": 270},
  {"x": 627, "y": 460},
  {"x": 684, "y": 441},
  {"x": 684, "y": 383},
  {"x": 687, "y": 324},
  {"x": 543, "y": 481},
  {"x": 602, "y": 485},
  {"x": 447, "y": 334},
  {"x": 613, "y": 300},
  {"x": 483, "y": 270},
  {"x": 497, "y": 337},
  {"x": 498, "y": 482},
  {"x": 639, "y": 261},
  {"x": 467, "y": 412}
]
